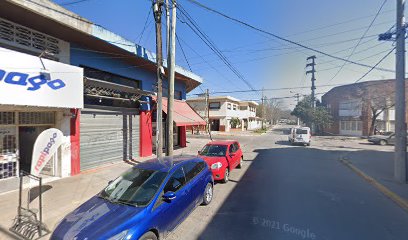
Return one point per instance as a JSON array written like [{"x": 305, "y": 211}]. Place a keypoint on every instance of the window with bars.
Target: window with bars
[
  {"x": 7, "y": 118},
  {"x": 36, "y": 118}
]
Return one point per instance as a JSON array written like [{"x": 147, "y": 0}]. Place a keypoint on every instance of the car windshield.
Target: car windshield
[
  {"x": 301, "y": 131},
  {"x": 214, "y": 150},
  {"x": 134, "y": 187}
]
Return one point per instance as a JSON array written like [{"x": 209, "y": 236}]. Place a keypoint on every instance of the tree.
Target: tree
[
  {"x": 273, "y": 110},
  {"x": 235, "y": 122},
  {"x": 318, "y": 116}
]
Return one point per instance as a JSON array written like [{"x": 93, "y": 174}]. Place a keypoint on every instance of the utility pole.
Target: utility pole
[
  {"x": 297, "y": 95},
  {"x": 263, "y": 108},
  {"x": 400, "y": 158},
  {"x": 157, "y": 12},
  {"x": 207, "y": 112},
  {"x": 172, "y": 59},
  {"x": 312, "y": 71}
]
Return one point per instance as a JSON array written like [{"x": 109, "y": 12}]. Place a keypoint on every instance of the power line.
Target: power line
[
  {"x": 145, "y": 26},
  {"x": 359, "y": 41},
  {"x": 74, "y": 2},
  {"x": 196, "y": 29},
  {"x": 382, "y": 59},
  {"x": 285, "y": 39}
]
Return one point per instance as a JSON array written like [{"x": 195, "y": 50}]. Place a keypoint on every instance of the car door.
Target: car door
[
  {"x": 391, "y": 139},
  {"x": 170, "y": 213},
  {"x": 238, "y": 151},
  {"x": 194, "y": 182},
  {"x": 230, "y": 157}
]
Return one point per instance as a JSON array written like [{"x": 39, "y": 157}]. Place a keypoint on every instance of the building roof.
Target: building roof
[
  {"x": 359, "y": 84},
  {"x": 48, "y": 17},
  {"x": 200, "y": 99}
]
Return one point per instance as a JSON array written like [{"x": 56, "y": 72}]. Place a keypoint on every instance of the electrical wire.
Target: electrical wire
[
  {"x": 359, "y": 41},
  {"x": 196, "y": 29},
  {"x": 283, "y": 38}
]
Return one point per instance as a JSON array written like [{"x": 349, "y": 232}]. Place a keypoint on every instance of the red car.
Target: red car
[{"x": 222, "y": 157}]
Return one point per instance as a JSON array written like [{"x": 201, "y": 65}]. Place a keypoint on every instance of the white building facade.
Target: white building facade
[{"x": 227, "y": 113}]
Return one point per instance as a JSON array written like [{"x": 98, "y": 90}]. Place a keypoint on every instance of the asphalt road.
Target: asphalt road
[{"x": 287, "y": 192}]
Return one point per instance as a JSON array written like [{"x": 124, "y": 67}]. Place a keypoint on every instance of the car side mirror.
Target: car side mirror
[
  {"x": 168, "y": 196},
  {"x": 110, "y": 181},
  {"x": 199, "y": 152}
]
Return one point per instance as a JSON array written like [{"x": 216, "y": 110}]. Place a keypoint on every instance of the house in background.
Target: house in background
[
  {"x": 354, "y": 107},
  {"x": 222, "y": 109}
]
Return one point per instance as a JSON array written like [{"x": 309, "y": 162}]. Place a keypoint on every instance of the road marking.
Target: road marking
[{"x": 384, "y": 190}]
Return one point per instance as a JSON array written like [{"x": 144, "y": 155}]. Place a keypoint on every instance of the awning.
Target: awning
[{"x": 183, "y": 114}]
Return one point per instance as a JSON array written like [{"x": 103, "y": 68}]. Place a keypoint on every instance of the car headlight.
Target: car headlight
[
  {"x": 121, "y": 236},
  {"x": 216, "y": 165}
]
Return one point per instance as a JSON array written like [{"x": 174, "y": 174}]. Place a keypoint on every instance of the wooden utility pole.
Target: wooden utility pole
[
  {"x": 157, "y": 12},
  {"x": 172, "y": 66},
  {"x": 207, "y": 112}
]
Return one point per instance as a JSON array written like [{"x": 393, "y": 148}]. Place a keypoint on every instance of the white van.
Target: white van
[
  {"x": 302, "y": 136},
  {"x": 292, "y": 134}
]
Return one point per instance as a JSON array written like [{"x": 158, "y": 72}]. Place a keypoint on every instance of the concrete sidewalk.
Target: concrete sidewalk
[
  {"x": 64, "y": 195},
  {"x": 380, "y": 166}
]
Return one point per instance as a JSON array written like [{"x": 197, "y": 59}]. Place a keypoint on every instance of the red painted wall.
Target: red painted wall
[
  {"x": 183, "y": 136},
  {"x": 75, "y": 143},
  {"x": 146, "y": 134}
]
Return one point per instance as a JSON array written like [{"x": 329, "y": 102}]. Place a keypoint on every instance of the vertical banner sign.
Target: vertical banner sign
[{"x": 45, "y": 146}]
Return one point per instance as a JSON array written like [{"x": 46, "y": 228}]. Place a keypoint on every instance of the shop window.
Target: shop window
[
  {"x": 36, "y": 118},
  {"x": 215, "y": 105},
  {"x": 110, "y": 77},
  {"x": 7, "y": 118}
]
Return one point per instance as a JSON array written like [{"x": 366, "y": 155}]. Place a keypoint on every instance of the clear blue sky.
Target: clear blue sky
[{"x": 264, "y": 61}]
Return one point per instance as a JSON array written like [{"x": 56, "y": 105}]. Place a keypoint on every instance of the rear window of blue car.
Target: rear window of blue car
[{"x": 134, "y": 187}]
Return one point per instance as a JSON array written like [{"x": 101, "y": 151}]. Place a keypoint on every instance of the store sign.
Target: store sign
[
  {"x": 45, "y": 146},
  {"x": 25, "y": 81}
]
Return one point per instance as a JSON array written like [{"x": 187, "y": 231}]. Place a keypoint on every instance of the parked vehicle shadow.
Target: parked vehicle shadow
[
  {"x": 305, "y": 193},
  {"x": 284, "y": 143}
]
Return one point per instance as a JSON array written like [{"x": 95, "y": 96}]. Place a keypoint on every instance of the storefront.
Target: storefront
[
  {"x": 110, "y": 120},
  {"x": 35, "y": 95}
]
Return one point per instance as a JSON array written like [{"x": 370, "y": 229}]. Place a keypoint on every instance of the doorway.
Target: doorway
[
  {"x": 27, "y": 137},
  {"x": 215, "y": 124}
]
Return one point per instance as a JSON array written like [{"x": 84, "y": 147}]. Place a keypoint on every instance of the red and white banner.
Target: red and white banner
[{"x": 45, "y": 146}]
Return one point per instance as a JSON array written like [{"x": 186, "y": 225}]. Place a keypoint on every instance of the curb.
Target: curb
[{"x": 384, "y": 190}]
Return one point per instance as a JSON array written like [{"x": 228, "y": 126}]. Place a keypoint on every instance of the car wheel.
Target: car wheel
[
  {"x": 241, "y": 162},
  {"x": 226, "y": 176},
  {"x": 383, "y": 142},
  {"x": 208, "y": 194},
  {"x": 308, "y": 144},
  {"x": 148, "y": 236}
]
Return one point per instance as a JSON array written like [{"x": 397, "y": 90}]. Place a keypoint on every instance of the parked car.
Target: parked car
[
  {"x": 384, "y": 139},
  {"x": 146, "y": 202},
  {"x": 222, "y": 157},
  {"x": 302, "y": 136}
]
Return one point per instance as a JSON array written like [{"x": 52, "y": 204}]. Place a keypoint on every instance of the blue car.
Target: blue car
[{"x": 146, "y": 202}]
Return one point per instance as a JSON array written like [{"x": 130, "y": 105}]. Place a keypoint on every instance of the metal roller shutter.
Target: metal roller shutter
[{"x": 108, "y": 135}]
